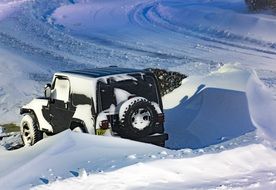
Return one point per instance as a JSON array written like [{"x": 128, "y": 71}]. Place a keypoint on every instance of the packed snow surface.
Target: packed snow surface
[{"x": 224, "y": 110}]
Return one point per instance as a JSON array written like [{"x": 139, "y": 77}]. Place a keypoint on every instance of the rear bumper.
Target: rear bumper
[{"x": 157, "y": 139}]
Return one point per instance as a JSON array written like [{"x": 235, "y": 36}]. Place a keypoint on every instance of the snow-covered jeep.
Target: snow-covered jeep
[{"x": 108, "y": 101}]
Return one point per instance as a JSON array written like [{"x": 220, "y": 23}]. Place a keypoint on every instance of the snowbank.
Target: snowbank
[
  {"x": 221, "y": 106},
  {"x": 210, "y": 170},
  {"x": 262, "y": 107},
  {"x": 80, "y": 161},
  {"x": 62, "y": 156}
]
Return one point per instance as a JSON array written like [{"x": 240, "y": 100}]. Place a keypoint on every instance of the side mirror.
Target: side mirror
[{"x": 47, "y": 91}]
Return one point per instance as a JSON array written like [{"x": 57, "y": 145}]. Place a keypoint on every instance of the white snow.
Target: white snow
[
  {"x": 82, "y": 85},
  {"x": 61, "y": 90},
  {"x": 227, "y": 112},
  {"x": 222, "y": 105},
  {"x": 15, "y": 82},
  {"x": 228, "y": 77},
  {"x": 121, "y": 95},
  {"x": 262, "y": 107},
  {"x": 2, "y": 130},
  {"x": 185, "y": 173},
  {"x": 8, "y": 7},
  {"x": 62, "y": 155},
  {"x": 122, "y": 77}
]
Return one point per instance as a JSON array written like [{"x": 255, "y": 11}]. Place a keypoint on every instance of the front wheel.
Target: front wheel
[{"x": 29, "y": 130}]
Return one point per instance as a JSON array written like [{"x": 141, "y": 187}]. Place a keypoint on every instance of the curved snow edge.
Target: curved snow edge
[{"x": 262, "y": 108}]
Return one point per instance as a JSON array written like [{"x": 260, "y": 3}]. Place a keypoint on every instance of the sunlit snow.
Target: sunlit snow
[{"x": 225, "y": 110}]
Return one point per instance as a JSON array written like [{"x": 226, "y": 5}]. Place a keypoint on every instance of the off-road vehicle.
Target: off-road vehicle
[{"x": 108, "y": 101}]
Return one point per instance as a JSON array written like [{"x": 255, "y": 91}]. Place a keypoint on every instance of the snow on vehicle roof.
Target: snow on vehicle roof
[{"x": 102, "y": 72}]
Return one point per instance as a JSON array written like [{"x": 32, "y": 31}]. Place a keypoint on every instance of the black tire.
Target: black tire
[
  {"x": 127, "y": 127},
  {"x": 29, "y": 130}
]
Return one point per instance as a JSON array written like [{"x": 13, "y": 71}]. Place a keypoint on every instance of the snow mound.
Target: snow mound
[
  {"x": 209, "y": 170},
  {"x": 221, "y": 106},
  {"x": 63, "y": 155}
]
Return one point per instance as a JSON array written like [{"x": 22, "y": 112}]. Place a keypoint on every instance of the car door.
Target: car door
[{"x": 60, "y": 108}]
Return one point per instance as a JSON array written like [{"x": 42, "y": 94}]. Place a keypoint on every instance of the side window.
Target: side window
[
  {"x": 106, "y": 96},
  {"x": 61, "y": 90},
  {"x": 80, "y": 99}
]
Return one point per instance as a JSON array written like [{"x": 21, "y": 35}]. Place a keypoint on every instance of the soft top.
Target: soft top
[{"x": 102, "y": 72}]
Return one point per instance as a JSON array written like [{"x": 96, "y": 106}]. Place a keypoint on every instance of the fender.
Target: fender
[
  {"x": 84, "y": 115},
  {"x": 80, "y": 123},
  {"x": 36, "y": 106}
]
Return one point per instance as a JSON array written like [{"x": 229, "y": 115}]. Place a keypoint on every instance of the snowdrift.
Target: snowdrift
[
  {"x": 221, "y": 106},
  {"x": 210, "y": 171},
  {"x": 90, "y": 161},
  {"x": 63, "y": 155}
]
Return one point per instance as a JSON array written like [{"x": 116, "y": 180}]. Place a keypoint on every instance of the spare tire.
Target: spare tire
[{"x": 137, "y": 118}]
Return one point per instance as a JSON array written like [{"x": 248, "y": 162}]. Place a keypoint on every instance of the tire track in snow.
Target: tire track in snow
[{"x": 146, "y": 15}]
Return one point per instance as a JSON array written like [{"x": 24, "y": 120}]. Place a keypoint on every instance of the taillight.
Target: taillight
[
  {"x": 104, "y": 124},
  {"x": 160, "y": 118}
]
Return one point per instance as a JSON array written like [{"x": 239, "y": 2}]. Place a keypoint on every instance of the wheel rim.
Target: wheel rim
[
  {"x": 140, "y": 119},
  {"x": 27, "y": 137}
]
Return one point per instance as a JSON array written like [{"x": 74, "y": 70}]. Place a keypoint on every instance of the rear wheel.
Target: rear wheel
[{"x": 29, "y": 130}]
